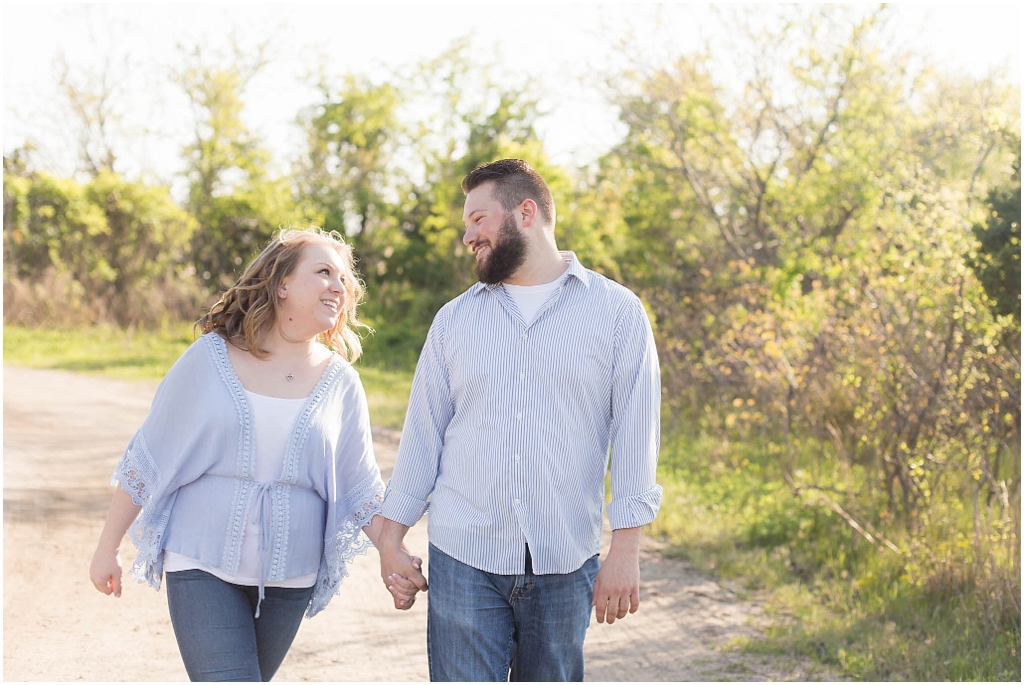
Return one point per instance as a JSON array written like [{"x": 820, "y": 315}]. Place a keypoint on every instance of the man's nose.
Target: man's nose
[{"x": 469, "y": 237}]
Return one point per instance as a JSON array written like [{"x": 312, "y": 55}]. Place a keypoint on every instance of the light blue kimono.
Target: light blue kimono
[{"x": 191, "y": 464}]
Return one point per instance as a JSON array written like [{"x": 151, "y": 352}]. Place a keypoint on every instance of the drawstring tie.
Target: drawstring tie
[{"x": 261, "y": 515}]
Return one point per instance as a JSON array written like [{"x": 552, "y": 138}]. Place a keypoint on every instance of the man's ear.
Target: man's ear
[{"x": 528, "y": 210}]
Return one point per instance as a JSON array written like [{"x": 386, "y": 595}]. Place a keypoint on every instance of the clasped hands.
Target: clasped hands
[{"x": 401, "y": 573}]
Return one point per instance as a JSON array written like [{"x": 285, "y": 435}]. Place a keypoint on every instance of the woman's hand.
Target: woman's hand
[
  {"x": 403, "y": 590},
  {"x": 105, "y": 571}
]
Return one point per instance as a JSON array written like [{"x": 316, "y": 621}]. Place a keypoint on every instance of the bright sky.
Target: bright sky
[{"x": 559, "y": 43}]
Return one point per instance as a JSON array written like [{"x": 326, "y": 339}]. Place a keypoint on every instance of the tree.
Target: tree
[
  {"x": 232, "y": 195},
  {"x": 997, "y": 265},
  {"x": 800, "y": 243},
  {"x": 459, "y": 114},
  {"x": 94, "y": 98},
  {"x": 348, "y": 173}
]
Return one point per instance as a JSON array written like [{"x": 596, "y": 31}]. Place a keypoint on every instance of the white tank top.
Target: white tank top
[{"x": 273, "y": 419}]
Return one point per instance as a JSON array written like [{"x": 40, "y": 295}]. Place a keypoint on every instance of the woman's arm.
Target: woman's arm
[{"x": 105, "y": 570}]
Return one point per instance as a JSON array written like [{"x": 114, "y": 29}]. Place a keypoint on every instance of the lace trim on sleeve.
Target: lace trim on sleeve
[
  {"x": 136, "y": 472},
  {"x": 347, "y": 542},
  {"x": 138, "y": 476}
]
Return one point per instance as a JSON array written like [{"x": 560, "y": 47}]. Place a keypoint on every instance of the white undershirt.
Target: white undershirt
[
  {"x": 529, "y": 298},
  {"x": 273, "y": 419}
]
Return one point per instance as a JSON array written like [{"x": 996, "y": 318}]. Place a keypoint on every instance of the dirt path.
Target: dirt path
[{"x": 63, "y": 434}]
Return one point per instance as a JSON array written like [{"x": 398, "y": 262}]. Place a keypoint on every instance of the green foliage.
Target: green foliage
[
  {"x": 406, "y": 223},
  {"x": 998, "y": 263},
  {"x": 116, "y": 243},
  {"x": 347, "y": 173},
  {"x": 800, "y": 243},
  {"x": 147, "y": 237},
  {"x": 869, "y": 611}
]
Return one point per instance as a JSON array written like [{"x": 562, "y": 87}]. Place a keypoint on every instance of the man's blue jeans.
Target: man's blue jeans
[
  {"x": 489, "y": 627},
  {"x": 218, "y": 637}
]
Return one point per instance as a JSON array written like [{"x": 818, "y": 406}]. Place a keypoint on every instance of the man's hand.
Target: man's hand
[
  {"x": 402, "y": 590},
  {"x": 617, "y": 588},
  {"x": 399, "y": 570}
]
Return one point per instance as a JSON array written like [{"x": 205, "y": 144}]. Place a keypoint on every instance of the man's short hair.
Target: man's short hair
[{"x": 514, "y": 181}]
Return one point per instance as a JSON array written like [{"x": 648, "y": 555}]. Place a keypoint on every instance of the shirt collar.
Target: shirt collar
[{"x": 575, "y": 270}]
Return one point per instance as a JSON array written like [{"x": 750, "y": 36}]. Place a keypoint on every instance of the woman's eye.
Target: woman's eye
[{"x": 325, "y": 270}]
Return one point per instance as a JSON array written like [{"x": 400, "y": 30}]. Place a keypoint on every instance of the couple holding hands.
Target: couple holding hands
[{"x": 252, "y": 481}]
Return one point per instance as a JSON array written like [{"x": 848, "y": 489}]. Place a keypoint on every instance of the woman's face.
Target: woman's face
[{"x": 312, "y": 297}]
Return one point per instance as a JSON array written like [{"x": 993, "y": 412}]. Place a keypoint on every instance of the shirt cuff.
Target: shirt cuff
[
  {"x": 402, "y": 508},
  {"x": 634, "y": 511}
]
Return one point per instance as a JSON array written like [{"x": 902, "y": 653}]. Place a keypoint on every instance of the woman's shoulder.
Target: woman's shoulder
[
  {"x": 344, "y": 372},
  {"x": 198, "y": 360},
  {"x": 189, "y": 380},
  {"x": 207, "y": 347},
  {"x": 343, "y": 377}
]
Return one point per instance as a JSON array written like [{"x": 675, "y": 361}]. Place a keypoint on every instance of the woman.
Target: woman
[{"x": 254, "y": 472}]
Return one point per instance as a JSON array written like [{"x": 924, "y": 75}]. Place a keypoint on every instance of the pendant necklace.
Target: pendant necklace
[{"x": 290, "y": 377}]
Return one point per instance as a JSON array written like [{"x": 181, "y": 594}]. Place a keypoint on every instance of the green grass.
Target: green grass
[
  {"x": 840, "y": 601},
  {"x": 387, "y": 394},
  {"x": 113, "y": 352},
  {"x": 147, "y": 355}
]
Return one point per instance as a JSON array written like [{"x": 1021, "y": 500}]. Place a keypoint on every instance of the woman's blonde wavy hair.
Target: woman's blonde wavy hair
[{"x": 248, "y": 310}]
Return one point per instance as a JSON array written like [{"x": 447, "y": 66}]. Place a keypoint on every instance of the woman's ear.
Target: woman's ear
[{"x": 282, "y": 292}]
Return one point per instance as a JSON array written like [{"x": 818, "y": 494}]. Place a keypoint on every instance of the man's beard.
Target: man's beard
[{"x": 507, "y": 253}]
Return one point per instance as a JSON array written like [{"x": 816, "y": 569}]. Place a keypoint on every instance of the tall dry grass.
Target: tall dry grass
[{"x": 54, "y": 298}]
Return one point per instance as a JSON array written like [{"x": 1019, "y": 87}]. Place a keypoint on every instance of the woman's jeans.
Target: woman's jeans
[
  {"x": 218, "y": 637},
  {"x": 489, "y": 627}
]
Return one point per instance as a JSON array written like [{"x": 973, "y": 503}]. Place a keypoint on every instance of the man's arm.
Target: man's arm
[
  {"x": 617, "y": 588},
  {"x": 635, "y": 438},
  {"x": 419, "y": 454}
]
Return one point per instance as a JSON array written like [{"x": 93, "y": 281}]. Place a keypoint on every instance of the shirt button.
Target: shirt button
[
  {"x": 517, "y": 500},
  {"x": 522, "y": 376},
  {"x": 517, "y": 457},
  {"x": 519, "y": 417},
  {"x": 524, "y": 336}
]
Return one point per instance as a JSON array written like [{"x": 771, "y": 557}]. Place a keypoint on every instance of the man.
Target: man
[{"x": 523, "y": 384}]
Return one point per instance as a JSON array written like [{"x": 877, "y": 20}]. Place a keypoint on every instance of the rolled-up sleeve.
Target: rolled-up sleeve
[
  {"x": 419, "y": 453},
  {"x": 636, "y": 422}
]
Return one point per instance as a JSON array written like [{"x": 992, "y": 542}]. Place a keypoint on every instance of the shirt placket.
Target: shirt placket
[{"x": 520, "y": 407}]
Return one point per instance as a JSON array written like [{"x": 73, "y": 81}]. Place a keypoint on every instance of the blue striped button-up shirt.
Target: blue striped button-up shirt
[{"x": 509, "y": 426}]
